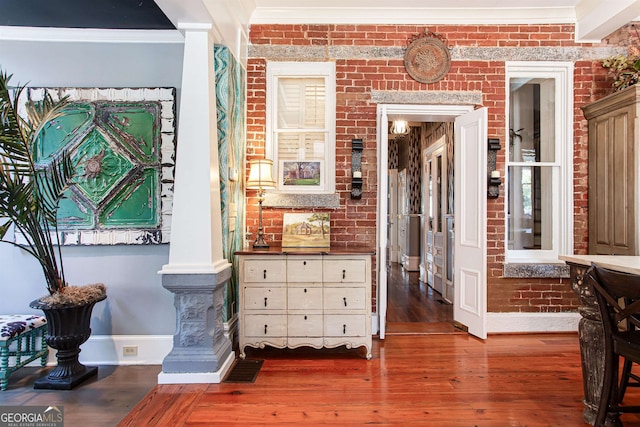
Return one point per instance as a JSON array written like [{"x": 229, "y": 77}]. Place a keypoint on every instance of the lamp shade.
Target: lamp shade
[{"x": 261, "y": 174}]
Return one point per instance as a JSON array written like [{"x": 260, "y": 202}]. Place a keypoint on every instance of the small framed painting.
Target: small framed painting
[
  {"x": 306, "y": 230},
  {"x": 301, "y": 173}
]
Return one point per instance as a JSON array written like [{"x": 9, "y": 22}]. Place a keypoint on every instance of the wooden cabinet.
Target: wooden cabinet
[
  {"x": 301, "y": 299},
  {"x": 613, "y": 175}
]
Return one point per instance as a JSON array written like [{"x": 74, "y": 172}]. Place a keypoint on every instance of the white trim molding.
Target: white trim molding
[
  {"x": 532, "y": 322},
  {"x": 89, "y": 35}
]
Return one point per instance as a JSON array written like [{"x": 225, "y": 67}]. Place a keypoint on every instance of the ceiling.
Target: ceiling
[
  {"x": 104, "y": 14},
  {"x": 594, "y": 19}
]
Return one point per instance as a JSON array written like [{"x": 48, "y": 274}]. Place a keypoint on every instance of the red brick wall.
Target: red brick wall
[{"x": 355, "y": 221}]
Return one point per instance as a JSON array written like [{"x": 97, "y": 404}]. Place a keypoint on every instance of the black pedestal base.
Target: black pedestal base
[{"x": 52, "y": 382}]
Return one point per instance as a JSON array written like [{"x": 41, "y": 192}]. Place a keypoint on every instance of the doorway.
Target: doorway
[
  {"x": 419, "y": 293},
  {"x": 469, "y": 254}
]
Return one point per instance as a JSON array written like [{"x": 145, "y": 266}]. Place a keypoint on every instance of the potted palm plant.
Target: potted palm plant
[{"x": 30, "y": 193}]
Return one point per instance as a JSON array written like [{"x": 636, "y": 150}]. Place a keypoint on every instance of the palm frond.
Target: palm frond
[
  {"x": 52, "y": 181},
  {"x": 30, "y": 194}
]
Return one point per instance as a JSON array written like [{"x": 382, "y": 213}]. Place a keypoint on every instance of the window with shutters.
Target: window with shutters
[{"x": 301, "y": 125}]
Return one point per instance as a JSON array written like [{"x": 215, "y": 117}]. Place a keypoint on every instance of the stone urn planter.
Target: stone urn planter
[{"x": 69, "y": 328}]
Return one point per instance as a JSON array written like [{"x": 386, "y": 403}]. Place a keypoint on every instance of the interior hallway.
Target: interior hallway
[{"x": 413, "y": 307}]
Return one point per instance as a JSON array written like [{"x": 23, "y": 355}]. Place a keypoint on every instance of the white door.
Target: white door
[
  {"x": 401, "y": 219},
  {"x": 434, "y": 195},
  {"x": 421, "y": 113},
  {"x": 470, "y": 207},
  {"x": 381, "y": 217}
]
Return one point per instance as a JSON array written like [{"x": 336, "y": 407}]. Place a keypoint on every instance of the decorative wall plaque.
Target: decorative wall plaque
[
  {"x": 427, "y": 58},
  {"x": 122, "y": 144}
]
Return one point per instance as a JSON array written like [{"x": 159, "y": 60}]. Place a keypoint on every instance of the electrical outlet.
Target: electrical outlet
[{"x": 130, "y": 350}]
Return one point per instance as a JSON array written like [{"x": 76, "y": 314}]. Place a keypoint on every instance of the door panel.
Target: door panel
[{"x": 470, "y": 254}]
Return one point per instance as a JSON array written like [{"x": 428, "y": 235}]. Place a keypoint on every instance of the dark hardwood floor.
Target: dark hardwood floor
[
  {"x": 101, "y": 401},
  {"x": 413, "y": 306}
]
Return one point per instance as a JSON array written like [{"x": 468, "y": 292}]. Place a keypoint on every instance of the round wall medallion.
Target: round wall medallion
[{"x": 427, "y": 60}]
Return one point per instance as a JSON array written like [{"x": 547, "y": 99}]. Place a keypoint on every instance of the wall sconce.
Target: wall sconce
[
  {"x": 494, "y": 180},
  {"x": 356, "y": 168},
  {"x": 399, "y": 127},
  {"x": 260, "y": 178}
]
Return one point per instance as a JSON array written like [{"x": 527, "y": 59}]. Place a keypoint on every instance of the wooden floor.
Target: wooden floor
[
  {"x": 424, "y": 380},
  {"x": 101, "y": 401},
  {"x": 413, "y": 307},
  {"x": 416, "y": 377}
]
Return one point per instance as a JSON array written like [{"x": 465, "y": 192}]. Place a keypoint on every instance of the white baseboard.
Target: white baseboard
[
  {"x": 532, "y": 322},
  {"x": 108, "y": 349},
  {"x": 520, "y": 322},
  {"x": 152, "y": 349},
  {"x": 374, "y": 324},
  {"x": 198, "y": 377},
  {"x": 411, "y": 263}
]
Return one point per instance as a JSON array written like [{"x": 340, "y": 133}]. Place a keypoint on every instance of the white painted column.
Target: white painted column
[
  {"x": 196, "y": 225},
  {"x": 197, "y": 272}
]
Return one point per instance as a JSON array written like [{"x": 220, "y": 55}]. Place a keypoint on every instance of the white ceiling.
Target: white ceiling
[
  {"x": 229, "y": 20},
  {"x": 595, "y": 19}
]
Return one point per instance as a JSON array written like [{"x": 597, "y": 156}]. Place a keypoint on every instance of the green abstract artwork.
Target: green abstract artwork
[{"x": 122, "y": 144}]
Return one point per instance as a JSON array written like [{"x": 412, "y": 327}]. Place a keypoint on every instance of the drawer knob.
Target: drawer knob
[
  {"x": 305, "y": 317},
  {"x": 344, "y": 329},
  {"x": 304, "y": 262},
  {"x": 265, "y": 329},
  {"x": 265, "y": 301},
  {"x": 305, "y": 290},
  {"x": 344, "y": 299},
  {"x": 264, "y": 274},
  {"x": 344, "y": 274}
]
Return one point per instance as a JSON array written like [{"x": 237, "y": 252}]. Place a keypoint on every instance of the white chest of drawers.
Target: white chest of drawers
[{"x": 305, "y": 299}]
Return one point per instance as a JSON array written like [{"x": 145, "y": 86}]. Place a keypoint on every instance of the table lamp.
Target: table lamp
[{"x": 260, "y": 178}]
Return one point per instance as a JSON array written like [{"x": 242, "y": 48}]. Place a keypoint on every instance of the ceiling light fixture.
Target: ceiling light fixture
[{"x": 399, "y": 127}]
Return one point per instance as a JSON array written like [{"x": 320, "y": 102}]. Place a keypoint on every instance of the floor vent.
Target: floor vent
[{"x": 244, "y": 371}]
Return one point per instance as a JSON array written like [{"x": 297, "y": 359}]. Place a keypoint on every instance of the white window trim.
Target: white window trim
[
  {"x": 562, "y": 72},
  {"x": 326, "y": 70}
]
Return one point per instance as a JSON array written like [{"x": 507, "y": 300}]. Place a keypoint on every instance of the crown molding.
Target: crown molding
[
  {"x": 89, "y": 35},
  {"x": 395, "y": 14}
]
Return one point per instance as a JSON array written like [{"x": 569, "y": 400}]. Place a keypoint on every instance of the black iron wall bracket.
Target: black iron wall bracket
[
  {"x": 356, "y": 168},
  {"x": 493, "y": 175}
]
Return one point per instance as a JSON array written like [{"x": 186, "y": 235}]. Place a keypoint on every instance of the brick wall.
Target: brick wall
[{"x": 369, "y": 59}]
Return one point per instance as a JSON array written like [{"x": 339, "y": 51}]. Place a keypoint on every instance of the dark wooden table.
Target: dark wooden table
[{"x": 590, "y": 331}]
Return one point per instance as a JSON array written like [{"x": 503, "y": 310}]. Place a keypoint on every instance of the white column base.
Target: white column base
[{"x": 198, "y": 377}]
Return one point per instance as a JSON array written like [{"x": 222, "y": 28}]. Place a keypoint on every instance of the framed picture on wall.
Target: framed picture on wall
[
  {"x": 306, "y": 230},
  {"x": 303, "y": 174}
]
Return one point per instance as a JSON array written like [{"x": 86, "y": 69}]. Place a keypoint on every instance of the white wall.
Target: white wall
[
  {"x": 77, "y": 64},
  {"x": 137, "y": 304}
]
